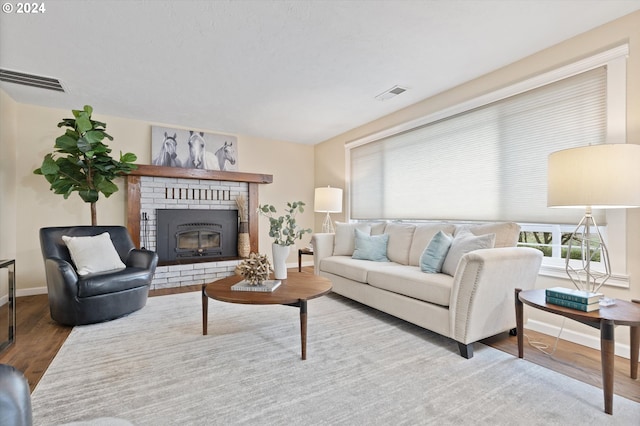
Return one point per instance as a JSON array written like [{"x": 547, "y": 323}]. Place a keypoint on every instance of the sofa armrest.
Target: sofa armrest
[
  {"x": 482, "y": 299},
  {"x": 140, "y": 258},
  {"x": 322, "y": 247}
]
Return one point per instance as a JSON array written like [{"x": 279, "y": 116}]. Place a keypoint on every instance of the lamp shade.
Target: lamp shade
[
  {"x": 597, "y": 176},
  {"x": 328, "y": 200}
]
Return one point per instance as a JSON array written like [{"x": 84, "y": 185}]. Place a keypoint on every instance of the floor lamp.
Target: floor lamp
[
  {"x": 602, "y": 176},
  {"x": 328, "y": 200}
]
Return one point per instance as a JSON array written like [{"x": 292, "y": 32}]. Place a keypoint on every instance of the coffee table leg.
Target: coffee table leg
[
  {"x": 205, "y": 312},
  {"x": 303, "y": 327},
  {"x": 607, "y": 342}
]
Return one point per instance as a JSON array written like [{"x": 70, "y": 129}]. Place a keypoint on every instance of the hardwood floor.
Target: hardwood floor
[{"x": 38, "y": 339}]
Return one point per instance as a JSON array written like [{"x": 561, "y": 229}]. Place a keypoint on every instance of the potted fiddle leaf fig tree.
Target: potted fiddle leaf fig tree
[{"x": 81, "y": 162}]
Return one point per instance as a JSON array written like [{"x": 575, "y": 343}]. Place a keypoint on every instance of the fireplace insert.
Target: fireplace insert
[{"x": 196, "y": 235}]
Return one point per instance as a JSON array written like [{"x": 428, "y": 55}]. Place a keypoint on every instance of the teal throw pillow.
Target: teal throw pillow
[
  {"x": 370, "y": 247},
  {"x": 433, "y": 256}
]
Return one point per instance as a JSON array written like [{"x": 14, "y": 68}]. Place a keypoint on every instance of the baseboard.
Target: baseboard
[
  {"x": 4, "y": 299},
  {"x": 30, "y": 291},
  {"x": 589, "y": 341}
]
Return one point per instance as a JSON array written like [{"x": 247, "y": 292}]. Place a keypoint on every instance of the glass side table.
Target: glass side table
[{"x": 8, "y": 310}]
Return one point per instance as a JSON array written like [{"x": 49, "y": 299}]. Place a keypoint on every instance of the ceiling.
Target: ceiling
[{"x": 292, "y": 70}]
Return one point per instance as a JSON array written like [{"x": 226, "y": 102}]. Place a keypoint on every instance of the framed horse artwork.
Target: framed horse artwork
[{"x": 193, "y": 149}]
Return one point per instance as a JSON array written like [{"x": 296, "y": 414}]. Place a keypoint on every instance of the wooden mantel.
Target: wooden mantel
[
  {"x": 133, "y": 193},
  {"x": 178, "y": 172}
]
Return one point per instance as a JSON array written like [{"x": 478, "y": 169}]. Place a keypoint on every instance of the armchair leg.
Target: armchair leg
[{"x": 466, "y": 350}]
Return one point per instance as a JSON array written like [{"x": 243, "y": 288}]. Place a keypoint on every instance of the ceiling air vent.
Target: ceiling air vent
[
  {"x": 31, "y": 80},
  {"x": 388, "y": 94}
]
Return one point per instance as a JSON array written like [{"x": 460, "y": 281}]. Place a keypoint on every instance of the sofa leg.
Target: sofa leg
[
  {"x": 513, "y": 332},
  {"x": 466, "y": 350}
]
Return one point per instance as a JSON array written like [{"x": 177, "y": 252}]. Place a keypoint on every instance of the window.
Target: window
[{"x": 486, "y": 160}]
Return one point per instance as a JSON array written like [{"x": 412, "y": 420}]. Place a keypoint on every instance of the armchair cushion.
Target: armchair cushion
[
  {"x": 112, "y": 282},
  {"x": 93, "y": 254}
]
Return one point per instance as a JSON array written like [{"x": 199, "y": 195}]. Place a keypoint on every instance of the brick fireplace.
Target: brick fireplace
[{"x": 154, "y": 188}]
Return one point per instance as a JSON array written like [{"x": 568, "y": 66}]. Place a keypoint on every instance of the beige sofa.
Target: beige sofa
[{"x": 474, "y": 300}]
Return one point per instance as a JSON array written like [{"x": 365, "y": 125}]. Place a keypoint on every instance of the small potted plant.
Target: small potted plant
[{"x": 285, "y": 231}]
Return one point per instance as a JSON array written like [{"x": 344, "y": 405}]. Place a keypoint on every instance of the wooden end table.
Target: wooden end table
[
  {"x": 605, "y": 319},
  {"x": 306, "y": 251},
  {"x": 294, "y": 291}
]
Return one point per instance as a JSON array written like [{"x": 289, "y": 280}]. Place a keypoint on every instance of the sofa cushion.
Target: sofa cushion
[
  {"x": 410, "y": 281},
  {"x": 93, "y": 254},
  {"x": 344, "y": 239},
  {"x": 353, "y": 269},
  {"x": 400, "y": 237},
  {"x": 423, "y": 235},
  {"x": 370, "y": 247},
  {"x": 507, "y": 233},
  {"x": 433, "y": 256},
  {"x": 377, "y": 228},
  {"x": 463, "y": 243}
]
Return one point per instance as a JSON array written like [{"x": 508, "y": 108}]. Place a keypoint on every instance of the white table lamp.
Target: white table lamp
[
  {"x": 328, "y": 200},
  {"x": 603, "y": 176}
]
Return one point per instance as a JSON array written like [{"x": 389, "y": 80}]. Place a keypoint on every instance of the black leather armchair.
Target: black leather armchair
[
  {"x": 77, "y": 300},
  {"x": 15, "y": 399}
]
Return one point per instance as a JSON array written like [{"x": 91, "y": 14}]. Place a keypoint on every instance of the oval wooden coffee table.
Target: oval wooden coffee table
[{"x": 294, "y": 291}]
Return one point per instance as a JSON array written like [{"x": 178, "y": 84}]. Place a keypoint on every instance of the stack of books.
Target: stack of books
[
  {"x": 575, "y": 299},
  {"x": 267, "y": 286}
]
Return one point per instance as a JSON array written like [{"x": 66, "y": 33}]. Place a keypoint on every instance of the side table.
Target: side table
[
  {"x": 307, "y": 251},
  {"x": 605, "y": 319},
  {"x": 10, "y": 265}
]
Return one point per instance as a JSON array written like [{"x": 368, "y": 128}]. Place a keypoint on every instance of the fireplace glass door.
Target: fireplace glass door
[{"x": 199, "y": 242}]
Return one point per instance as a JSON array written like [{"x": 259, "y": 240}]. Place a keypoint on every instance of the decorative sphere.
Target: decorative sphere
[{"x": 255, "y": 269}]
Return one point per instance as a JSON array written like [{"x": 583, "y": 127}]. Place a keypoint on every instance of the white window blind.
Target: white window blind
[{"x": 489, "y": 163}]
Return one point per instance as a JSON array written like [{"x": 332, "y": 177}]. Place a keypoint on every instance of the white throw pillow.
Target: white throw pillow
[
  {"x": 344, "y": 239},
  {"x": 507, "y": 233},
  {"x": 93, "y": 254},
  {"x": 463, "y": 243}
]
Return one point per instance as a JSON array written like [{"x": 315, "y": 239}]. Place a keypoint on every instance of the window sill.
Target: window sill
[{"x": 616, "y": 280}]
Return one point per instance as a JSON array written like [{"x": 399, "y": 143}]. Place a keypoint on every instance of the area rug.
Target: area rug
[{"x": 154, "y": 367}]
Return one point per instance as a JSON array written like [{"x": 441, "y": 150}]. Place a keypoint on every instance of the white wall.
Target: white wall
[
  {"x": 35, "y": 206},
  {"x": 330, "y": 155}
]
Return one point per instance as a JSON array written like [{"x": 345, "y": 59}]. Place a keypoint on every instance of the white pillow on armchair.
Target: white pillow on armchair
[{"x": 93, "y": 254}]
